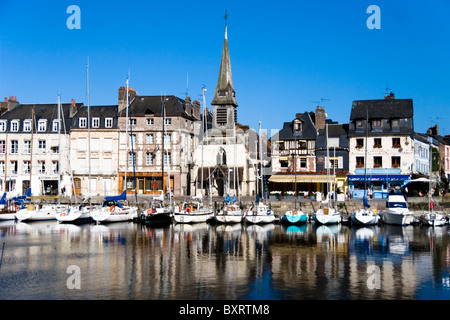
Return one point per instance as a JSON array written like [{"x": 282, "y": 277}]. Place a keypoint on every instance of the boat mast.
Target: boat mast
[
  {"x": 430, "y": 155},
  {"x": 163, "y": 112},
  {"x": 328, "y": 166},
  {"x": 261, "y": 161},
  {"x": 89, "y": 131},
  {"x": 59, "y": 147},
  {"x": 126, "y": 143}
]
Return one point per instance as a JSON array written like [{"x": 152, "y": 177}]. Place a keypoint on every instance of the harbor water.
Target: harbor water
[{"x": 133, "y": 261}]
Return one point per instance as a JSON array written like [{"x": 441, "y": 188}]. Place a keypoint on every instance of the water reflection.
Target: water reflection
[{"x": 203, "y": 261}]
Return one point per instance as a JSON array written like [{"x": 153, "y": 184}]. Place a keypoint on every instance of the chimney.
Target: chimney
[
  {"x": 196, "y": 109},
  {"x": 320, "y": 118},
  {"x": 12, "y": 103},
  {"x": 123, "y": 97},
  {"x": 391, "y": 96},
  {"x": 73, "y": 108},
  {"x": 4, "y": 106},
  {"x": 187, "y": 105}
]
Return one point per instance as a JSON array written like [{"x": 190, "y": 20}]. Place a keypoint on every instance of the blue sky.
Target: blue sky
[{"x": 285, "y": 55}]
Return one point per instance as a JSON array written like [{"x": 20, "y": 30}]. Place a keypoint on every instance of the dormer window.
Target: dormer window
[
  {"x": 42, "y": 125},
  {"x": 27, "y": 126},
  {"x": 55, "y": 126},
  {"x": 108, "y": 122},
  {"x": 3, "y": 126},
  {"x": 297, "y": 126},
  {"x": 82, "y": 122},
  {"x": 359, "y": 123},
  {"x": 95, "y": 122},
  {"x": 15, "y": 125},
  {"x": 376, "y": 123},
  {"x": 395, "y": 122}
]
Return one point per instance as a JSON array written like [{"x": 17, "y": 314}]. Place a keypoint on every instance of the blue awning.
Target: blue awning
[{"x": 384, "y": 177}]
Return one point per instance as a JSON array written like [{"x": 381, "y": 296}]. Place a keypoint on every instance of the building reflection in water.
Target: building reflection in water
[{"x": 202, "y": 261}]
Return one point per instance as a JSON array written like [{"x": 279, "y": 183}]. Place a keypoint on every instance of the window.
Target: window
[
  {"x": 13, "y": 167},
  {"x": 395, "y": 162},
  {"x": 131, "y": 159},
  {"x": 3, "y": 126},
  {"x": 95, "y": 122},
  {"x": 2, "y": 166},
  {"x": 168, "y": 121},
  {"x": 150, "y": 138},
  {"x": 81, "y": 144},
  {"x": 150, "y": 122},
  {"x": 27, "y": 147},
  {"x": 81, "y": 165},
  {"x": 26, "y": 167},
  {"x": 221, "y": 157},
  {"x": 377, "y": 162},
  {"x": 14, "y": 125},
  {"x": 95, "y": 144},
  {"x": 2, "y": 146},
  {"x": 94, "y": 166},
  {"x": 396, "y": 143},
  {"x": 377, "y": 142},
  {"x": 132, "y": 140},
  {"x": 107, "y": 145},
  {"x": 395, "y": 122},
  {"x": 359, "y": 143},
  {"x": 167, "y": 158},
  {"x": 42, "y": 146},
  {"x": 55, "y": 127},
  {"x": 107, "y": 166},
  {"x": 27, "y": 126},
  {"x": 82, "y": 122},
  {"x": 376, "y": 123},
  {"x": 55, "y": 167},
  {"x": 55, "y": 149},
  {"x": 297, "y": 126},
  {"x": 359, "y": 123},
  {"x": 14, "y": 146},
  {"x": 167, "y": 139},
  {"x": 303, "y": 163},
  {"x": 133, "y": 122},
  {"x": 108, "y": 122},
  {"x": 360, "y": 162},
  {"x": 41, "y": 166},
  {"x": 42, "y": 125},
  {"x": 150, "y": 157}
]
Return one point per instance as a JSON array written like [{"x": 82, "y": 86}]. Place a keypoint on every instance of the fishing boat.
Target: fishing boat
[
  {"x": 397, "y": 211},
  {"x": 328, "y": 214},
  {"x": 113, "y": 210},
  {"x": 230, "y": 212},
  {"x": 192, "y": 212}
]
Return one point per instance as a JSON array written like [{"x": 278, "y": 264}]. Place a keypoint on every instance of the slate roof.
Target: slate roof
[
  {"x": 308, "y": 132},
  {"x": 102, "y": 112},
  {"x": 382, "y": 109},
  {"x": 41, "y": 111},
  {"x": 152, "y": 105}
]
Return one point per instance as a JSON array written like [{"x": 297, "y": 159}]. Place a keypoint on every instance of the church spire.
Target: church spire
[{"x": 224, "y": 93}]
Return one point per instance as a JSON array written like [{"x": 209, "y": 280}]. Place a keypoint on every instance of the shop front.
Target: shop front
[{"x": 380, "y": 182}]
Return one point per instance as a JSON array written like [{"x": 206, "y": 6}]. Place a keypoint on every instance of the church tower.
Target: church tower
[{"x": 224, "y": 102}]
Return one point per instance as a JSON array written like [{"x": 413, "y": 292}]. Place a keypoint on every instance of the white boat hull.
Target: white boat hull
[
  {"x": 228, "y": 218},
  {"x": 73, "y": 215},
  {"x": 47, "y": 212},
  {"x": 105, "y": 215},
  {"x": 327, "y": 216},
  {"x": 259, "y": 219},
  {"x": 192, "y": 217},
  {"x": 401, "y": 218},
  {"x": 7, "y": 216},
  {"x": 433, "y": 219},
  {"x": 364, "y": 217}
]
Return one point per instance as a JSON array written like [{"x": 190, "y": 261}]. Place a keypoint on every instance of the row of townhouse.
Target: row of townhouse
[
  {"x": 377, "y": 149},
  {"x": 90, "y": 154}
]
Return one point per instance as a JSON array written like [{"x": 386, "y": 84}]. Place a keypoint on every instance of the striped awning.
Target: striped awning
[{"x": 300, "y": 178}]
